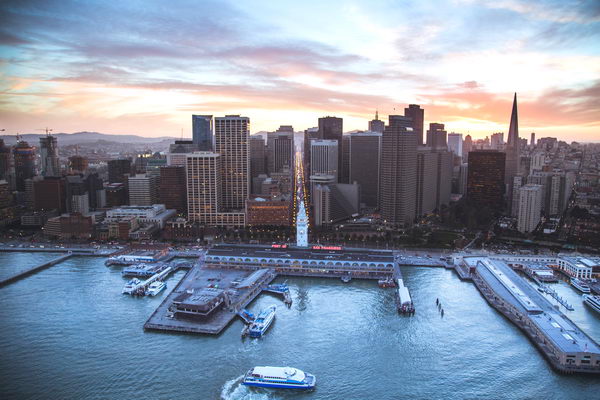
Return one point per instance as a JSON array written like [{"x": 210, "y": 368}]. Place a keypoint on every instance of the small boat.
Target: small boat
[
  {"x": 155, "y": 288},
  {"x": 592, "y": 301},
  {"x": 346, "y": 278},
  {"x": 580, "y": 285},
  {"x": 386, "y": 283},
  {"x": 260, "y": 325},
  {"x": 128, "y": 289},
  {"x": 279, "y": 377}
]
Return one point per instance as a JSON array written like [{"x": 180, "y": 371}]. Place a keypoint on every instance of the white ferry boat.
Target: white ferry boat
[
  {"x": 279, "y": 377},
  {"x": 262, "y": 322},
  {"x": 155, "y": 288},
  {"x": 128, "y": 289},
  {"x": 580, "y": 285},
  {"x": 592, "y": 301}
]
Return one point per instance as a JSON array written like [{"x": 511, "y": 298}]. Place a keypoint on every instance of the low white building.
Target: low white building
[
  {"x": 577, "y": 267},
  {"x": 156, "y": 213}
]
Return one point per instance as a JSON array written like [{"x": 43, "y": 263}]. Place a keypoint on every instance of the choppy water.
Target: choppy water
[{"x": 68, "y": 333}]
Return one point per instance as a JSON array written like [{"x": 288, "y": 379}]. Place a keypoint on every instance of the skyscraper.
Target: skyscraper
[
  {"x": 331, "y": 128},
  {"x": 324, "y": 157},
  {"x": 49, "y": 156},
  {"x": 512, "y": 150},
  {"x": 467, "y": 146},
  {"x": 4, "y": 161},
  {"x": 398, "y": 173},
  {"x": 455, "y": 143},
  {"x": 257, "y": 156},
  {"x": 530, "y": 207},
  {"x": 365, "y": 165},
  {"x": 280, "y": 150},
  {"x": 436, "y": 136},
  {"x": 427, "y": 166},
  {"x": 232, "y": 143},
  {"x": 417, "y": 116},
  {"x": 173, "y": 189},
  {"x": 497, "y": 141},
  {"x": 376, "y": 125},
  {"x": 202, "y": 132},
  {"x": 532, "y": 141},
  {"x": 143, "y": 190},
  {"x": 24, "y": 156},
  {"x": 117, "y": 169},
  {"x": 485, "y": 178}
]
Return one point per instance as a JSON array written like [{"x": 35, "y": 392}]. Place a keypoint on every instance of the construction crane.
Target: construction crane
[{"x": 47, "y": 130}]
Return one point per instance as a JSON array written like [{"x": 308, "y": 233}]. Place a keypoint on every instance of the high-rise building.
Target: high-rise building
[
  {"x": 173, "y": 188},
  {"x": 280, "y": 150},
  {"x": 417, "y": 116},
  {"x": 437, "y": 136},
  {"x": 365, "y": 166},
  {"x": 50, "y": 194},
  {"x": 154, "y": 164},
  {"x": 398, "y": 173},
  {"x": 324, "y": 157},
  {"x": 331, "y": 128},
  {"x": 462, "y": 178},
  {"x": 118, "y": 169},
  {"x": 309, "y": 134},
  {"x": 467, "y": 147},
  {"x": 518, "y": 181},
  {"x": 24, "y": 157},
  {"x": 78, "y": 164},
  {"x": 532, "y": 141},
  {"x": 143, "y": 190},
  {"x": 485, "y": 180},
  {"x": 268, "y": 211},
  {"x": 4, "y": 161},
  {"x": 77, "y": 200},
  {"x": 376, "y": 125},
  {"x": 334, "y": 202},
  {"x": 232, "y": 143},
  {"x": 530, "y": 207},
  {"x": 96, "y": 191},
  {"x": 557, "y": 189},
  {"x": 455, "y": 143},
  {"x": 344, "y": 173},
  {"x": 444, "y": 178},
  {"x": 116, "y": 195},
  {"x": 202, "y": 132},
  {"x": 426, "y": 191},
  {"x": 497, "y": 141},
  {"x": 50, "y": 164},
  {"x": 257, "y": 157},
  {"x": 512, "y": 150}
]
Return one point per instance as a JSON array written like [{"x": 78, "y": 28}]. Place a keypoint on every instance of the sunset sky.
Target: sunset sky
[{"x": 143, "y": 67}]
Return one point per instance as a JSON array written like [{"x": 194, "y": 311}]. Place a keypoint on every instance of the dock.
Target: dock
[{"x": 36, "y": 268}]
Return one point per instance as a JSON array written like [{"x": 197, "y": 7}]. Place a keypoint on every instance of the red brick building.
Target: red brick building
[{"x": 267, "y": 211}]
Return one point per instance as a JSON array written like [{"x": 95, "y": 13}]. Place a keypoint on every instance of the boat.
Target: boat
[
  {"x": 155, "y": 288},
  {"x": 346, "y": 278},
  {"x": 386, "y": 283},
  {"x": 262, "y": 322},
  {"x": 580, "y": 285},
  {"x": 279, "y": 377},
  {"x": 592, "y": 301},
  {"x": 128, "y": 289}
]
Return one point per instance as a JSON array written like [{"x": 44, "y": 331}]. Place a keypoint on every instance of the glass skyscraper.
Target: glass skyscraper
[{"x": 202, "y": 132}]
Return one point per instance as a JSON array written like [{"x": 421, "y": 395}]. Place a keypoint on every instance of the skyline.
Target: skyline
[{"x": 144, "y": 68}]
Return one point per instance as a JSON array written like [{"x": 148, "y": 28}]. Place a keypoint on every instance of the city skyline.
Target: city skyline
[{"x": 63, "y": 66}]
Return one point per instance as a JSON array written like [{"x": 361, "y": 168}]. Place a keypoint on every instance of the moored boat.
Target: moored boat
[
  {"x": 580, "y": 285},
  {"x": 262, "y": 322},
  {"x": 279, "y": 377},
  {"x": 155, "y": 288},
  {"x": 386, "y": 283},
  {"x": 346, "y": 278},
  {"x": 128, "y": 289},
  {"x": 592, "y": 301}
]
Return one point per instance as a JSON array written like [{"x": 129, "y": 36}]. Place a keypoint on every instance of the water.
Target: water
[{"x": 68, "y": 333}]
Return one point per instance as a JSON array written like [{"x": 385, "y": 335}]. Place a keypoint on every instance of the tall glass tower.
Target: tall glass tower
[{"x": 202, "y": 132}]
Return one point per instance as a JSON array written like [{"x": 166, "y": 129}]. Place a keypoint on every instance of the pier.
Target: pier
[{"x": 36, "y": 268}]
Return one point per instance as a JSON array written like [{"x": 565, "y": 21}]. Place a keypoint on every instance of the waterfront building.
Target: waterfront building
[
  {"x": 173, "y": 188},
  {"x": 202, "y": 132},
  {"x": 398, "y": 172},
  {"x": 70, "y": 226},
  {"x": 376, "y": 125},
  {"x": 180, "y": 229},
  {"x": 512, "y": 151},
  {"x": 455, "y": 144},
  {"x": 485, "y": 179},
  {"x": 50, "y": 165},
  {"x": 530, "y": 207},
  {"x": 119, "y": 170},
  {"x": 365, "y": 166},
  {"x": 156, "y": 214},
  {"x": 143, "y": 190},
  {"x": 24, "y": 158},
  {"x": 437, "y": 137},
  {"x": 331, "y": 128},
  {"x": 280, "y": 149},
  {"x": 417, "y": 118},
  {"x": 324, "y": 157},
  {"x": 268, "y": 211},
  {"x": 232, "y": 143},
  {"x": 257, "y": 159}
]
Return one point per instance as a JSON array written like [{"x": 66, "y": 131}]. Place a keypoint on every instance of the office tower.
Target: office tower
[
  {"x": 417, "y": 116},
  {"x": 444, "y": 178},
  {"x": 116, "y": 195},
  {"x": 376, "y": 125},
  {"x": 5, "y": 196},
  {"x": 518, "y": 181},
  {"x": 118, "y": 169},
  {"x": 30, "y": 191},
  {"x": 143, "y": 190},
  {"x": 232, "y": 143},
  {"x": 365, "y": 166},
  {"x": 77, "y": 199},
  {"x": 334, "y": 202},
  {"x": 427, "y": 181},
  {"x": 324, "y": 157},
  {"x": 344, "y": 174},
  {"x": 50, "y": 194},
  {"x": 78, "y": 164},
  {"x": 331, "y": 128},
  {"x": 398, "y": 173},
  {"x": 173, "y": 188},
  {"x": 280, "y": 150},
  {"x": 467, "y": 147},
  {"x": 530, "y": 207},
  {"x": 455, "y": 143},
  {"x": 557, "y": 189},
  {"x": 436, "y": 136},
  {"x": 462, "y": 179},
  {"x": 24, "y": 158},
  {"x": 96, "y": 191},
  {"x": 154, "y": 164},
  {"x": 497, "y": 141},
  {"x": 202, "y": 132},
  {"x": 485, "y": 180},
  {"x": 4, "y": 161},
  {"x": 532, "y": 140},
  {"x": 257, "y": 157},
  {"x": 512, "y": 150},
  {"x": 309, "y": 134},
  {"x": 50, "y": 165}
]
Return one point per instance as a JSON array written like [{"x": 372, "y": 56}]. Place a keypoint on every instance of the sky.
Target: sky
[{"x": 144, "y": 67}]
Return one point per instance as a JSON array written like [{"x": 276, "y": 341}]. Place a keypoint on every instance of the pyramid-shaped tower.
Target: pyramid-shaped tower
[{"x": 512, "y": 152}]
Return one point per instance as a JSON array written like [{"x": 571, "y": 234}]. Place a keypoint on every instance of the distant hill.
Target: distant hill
[{"x": 86, "y": 137}]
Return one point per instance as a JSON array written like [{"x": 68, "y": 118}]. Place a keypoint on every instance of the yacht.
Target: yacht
[
  {"x": 260, "y": 325},
  {"x": 592, "y": 301},
  {"x": 580, "y": 285},
  {"x": 128, "y": 289},
  {"x": 155, "y": 288},
  {"x": 279, "y": 377}
]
